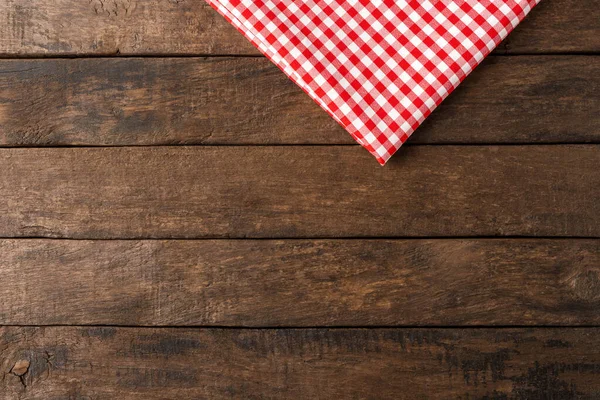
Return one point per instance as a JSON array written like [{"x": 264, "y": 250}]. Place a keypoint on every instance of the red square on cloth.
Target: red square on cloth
[{"x": 378, "y": 67}]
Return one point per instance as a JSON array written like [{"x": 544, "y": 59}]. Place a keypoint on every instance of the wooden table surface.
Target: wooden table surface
[{"x": 179, "y": 221}]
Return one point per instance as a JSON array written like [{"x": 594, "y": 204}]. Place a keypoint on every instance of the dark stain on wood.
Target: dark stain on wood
[
  {"x": 162, "y": 346},
  {"x": 100, "y": 332},
  {"x": 558, "y": 343},
  {"x": 543, "y": 382},
  {"x": 140, "y": 378}
]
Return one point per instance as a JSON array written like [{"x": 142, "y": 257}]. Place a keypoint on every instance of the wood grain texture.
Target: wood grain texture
[
  {"x": 153, "y": 27},
  {"x": 537, "y": 99},
  {"x": 109, "y": 363},
  {"x": 556, "y": 26},
  {"x": 126, "y": 27},
  {"x": 289, "y": 192},
  {"x": 295, "y": 192},
  {"x": 300, "y": 283}
]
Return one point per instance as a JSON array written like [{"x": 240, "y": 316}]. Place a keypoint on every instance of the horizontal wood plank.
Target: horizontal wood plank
[
  {"x": 98, "y": 102},
  {"x": 152, "y": 27},
  {"x": 556, "y": 26},
  {"x": 300, "y": 282},
  {"x": 137, "y": 363},
  {"x": 299, "y": 191},
  {"x": 116, "y": 27}
]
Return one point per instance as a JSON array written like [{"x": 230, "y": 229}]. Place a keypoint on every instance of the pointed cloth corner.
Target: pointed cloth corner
[{"x": 378, "y": 67}]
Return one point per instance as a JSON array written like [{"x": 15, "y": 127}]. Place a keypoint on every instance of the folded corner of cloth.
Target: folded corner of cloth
[{"x": 378, "y": 67}]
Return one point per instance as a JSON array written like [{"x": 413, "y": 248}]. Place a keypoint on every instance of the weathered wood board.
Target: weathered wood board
[
  {"x": 309, "y": 262},
  {"x": 184, "y": 27},
  {"x": 300, "y": 282},
  {"x": 136, "y": 363},
  {"x": 156, "y": 101},
  {"x": 295, "y": 192}
]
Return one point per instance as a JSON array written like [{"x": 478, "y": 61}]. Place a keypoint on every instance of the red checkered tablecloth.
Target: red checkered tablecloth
[{"x": 378, "y": 67}]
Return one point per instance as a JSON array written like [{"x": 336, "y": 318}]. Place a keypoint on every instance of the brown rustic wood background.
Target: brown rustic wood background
[{"x": 179, "y": 221}]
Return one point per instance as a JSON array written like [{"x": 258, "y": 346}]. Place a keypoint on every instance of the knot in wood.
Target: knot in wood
[
  {"x": 20, "y": 368},
  {"x": 586, "y": 286}
]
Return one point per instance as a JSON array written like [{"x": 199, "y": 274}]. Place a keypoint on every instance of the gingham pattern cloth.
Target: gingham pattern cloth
[{"x": 378, "y": 67}]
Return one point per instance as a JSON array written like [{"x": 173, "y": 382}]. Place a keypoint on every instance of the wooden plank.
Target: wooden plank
[
  {"x": 137, "y": 363},
  {"x": 300, "y": 283},
  {"x": 556, "y": 26},
  {"x": 116, "y": 27},
  {"x": 299, "y": 191},
  {"x": 151, "y": 27},
  {"x": 99, "y": 102}
]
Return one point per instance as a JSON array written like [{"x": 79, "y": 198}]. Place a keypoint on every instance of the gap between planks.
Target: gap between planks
[
  {"x": 292, "y": 238},
  {"x": 233, "y": 55},
  {"x": 306, "y": 328},
  {"x": 591, "y": 142}
]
